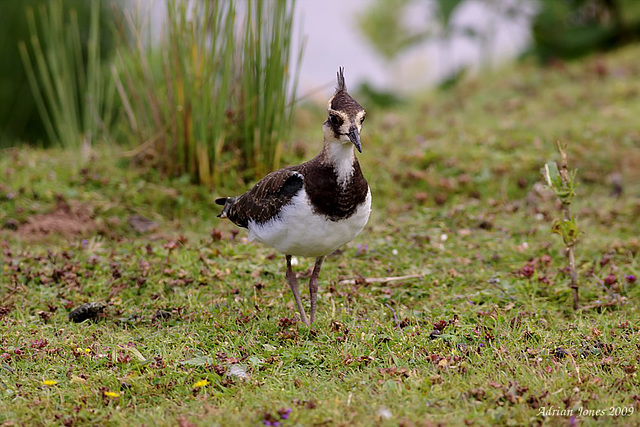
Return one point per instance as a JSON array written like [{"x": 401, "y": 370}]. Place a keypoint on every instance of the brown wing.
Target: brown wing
[{"x": 264, "y": 201}]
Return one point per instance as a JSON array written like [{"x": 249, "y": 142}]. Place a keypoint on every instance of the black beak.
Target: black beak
[{"x": 354, "y": 136}]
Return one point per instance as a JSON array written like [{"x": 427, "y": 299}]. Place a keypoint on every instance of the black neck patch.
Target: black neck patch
[{"x": 327, "y": 196}]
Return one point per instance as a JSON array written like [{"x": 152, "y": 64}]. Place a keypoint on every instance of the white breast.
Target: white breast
[{"x": 299, "y": 231}]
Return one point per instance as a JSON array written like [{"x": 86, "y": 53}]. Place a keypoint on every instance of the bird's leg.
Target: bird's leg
[
  {"x": 293, "y": 284},
  {"x": 313, "y": 287}
]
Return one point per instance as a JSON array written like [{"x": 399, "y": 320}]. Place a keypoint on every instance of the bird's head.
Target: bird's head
[{"x": 345, "y": 116}]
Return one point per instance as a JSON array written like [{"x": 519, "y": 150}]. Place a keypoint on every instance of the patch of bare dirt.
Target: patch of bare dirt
[{"x": 68, "y": 220}]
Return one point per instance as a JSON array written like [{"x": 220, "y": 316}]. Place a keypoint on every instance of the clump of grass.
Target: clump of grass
[
  {"x": 562, "y": 182},
  {"x": 216, "y": 98},
  {"x": 175, "y": 98},
  {"x": 74, "y": 98}
]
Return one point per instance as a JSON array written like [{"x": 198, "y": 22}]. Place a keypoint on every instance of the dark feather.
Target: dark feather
[
  {"x": 342, "y": 86},
  {"x": 264, "y": 201}
]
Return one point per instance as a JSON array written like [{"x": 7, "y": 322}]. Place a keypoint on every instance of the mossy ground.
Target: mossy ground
[{"x": 484, "y": 334}]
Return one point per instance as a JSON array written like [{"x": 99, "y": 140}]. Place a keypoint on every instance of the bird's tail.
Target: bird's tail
[{"x": 226, "y": 202}]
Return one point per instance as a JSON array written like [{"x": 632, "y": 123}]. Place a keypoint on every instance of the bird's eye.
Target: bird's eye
[
  {"x": 335, "y": 120},
  {"x": 362, "y": 119}
]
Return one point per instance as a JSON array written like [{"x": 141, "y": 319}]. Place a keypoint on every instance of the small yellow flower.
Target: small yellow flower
[
  {"x": 87, "y": 350},
  {"x": 79, "y": 350},
  {"x": 5, "y": 268},
  {"x": 201, "y": 383},
  {"x": 111, "y": 394},
  {"x": 49, "y": 382}
]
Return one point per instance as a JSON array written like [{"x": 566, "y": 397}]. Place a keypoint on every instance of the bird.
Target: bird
[{"x": 311, "y": 209}]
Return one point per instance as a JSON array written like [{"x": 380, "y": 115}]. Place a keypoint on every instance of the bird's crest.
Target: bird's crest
[
  {"x": 341, "y": 101},
  {"x": 342, "y": 86}
]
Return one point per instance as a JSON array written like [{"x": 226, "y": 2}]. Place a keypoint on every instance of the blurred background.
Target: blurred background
[
  {"x": 402, "y": 45},
  {"x": 189, "y": 85}
]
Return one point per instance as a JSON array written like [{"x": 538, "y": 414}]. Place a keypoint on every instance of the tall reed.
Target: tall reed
[
  {"x": 74, "y": 98},
  {"x": 215, "y": 100},
  {"x": 265, "y": 84}
]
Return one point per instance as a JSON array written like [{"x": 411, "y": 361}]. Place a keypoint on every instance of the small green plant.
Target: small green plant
[
  {"x": 562, "y": 182},
  {"x": 214, "y": 99},
  {"x": 74, "y": 98}
]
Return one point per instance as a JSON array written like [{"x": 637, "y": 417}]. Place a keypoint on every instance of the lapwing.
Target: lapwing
[{"x": 311, "y": 209}]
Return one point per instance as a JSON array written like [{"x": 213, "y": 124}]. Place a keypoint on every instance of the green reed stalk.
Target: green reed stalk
[
  {"x": 265, "y": 93},
  {"x": 221, "y": 103}
]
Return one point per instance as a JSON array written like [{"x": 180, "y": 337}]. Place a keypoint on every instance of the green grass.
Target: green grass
[{"x": 486, "y": 336}]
